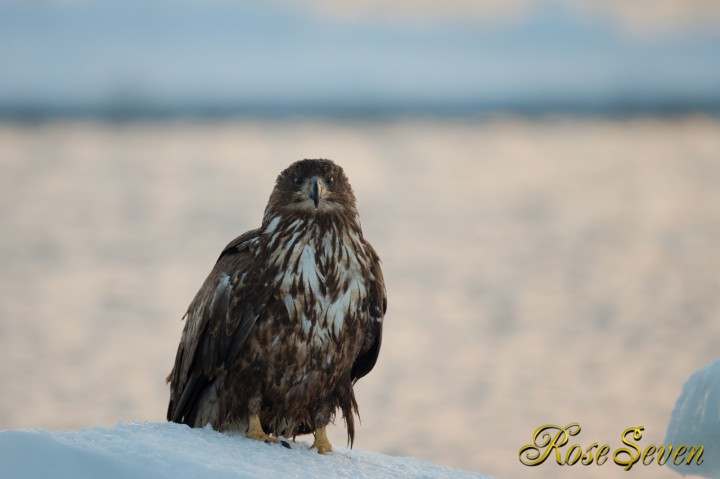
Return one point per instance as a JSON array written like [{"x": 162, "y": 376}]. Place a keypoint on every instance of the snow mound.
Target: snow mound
[
  {"x": 174, "y": 451},
  {"x": 696, "y": 420}
]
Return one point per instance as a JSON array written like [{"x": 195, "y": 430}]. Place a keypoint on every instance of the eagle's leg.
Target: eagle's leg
[
  {"x": 321, "y": 442},
  {"x": 255, "y": 430}
]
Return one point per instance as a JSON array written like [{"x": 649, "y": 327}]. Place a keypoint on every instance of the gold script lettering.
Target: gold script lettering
[
  {"x": 546, "y": 439},
  {"x": 631, "y": 459}
]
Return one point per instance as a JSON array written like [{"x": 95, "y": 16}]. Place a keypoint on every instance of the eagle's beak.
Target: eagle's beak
[{"x": 316, "y": 190}]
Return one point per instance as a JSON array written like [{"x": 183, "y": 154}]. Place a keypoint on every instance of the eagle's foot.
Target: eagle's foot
[
  {"x": 255, "y": 431},
  {"x": 321, "y": 442}
]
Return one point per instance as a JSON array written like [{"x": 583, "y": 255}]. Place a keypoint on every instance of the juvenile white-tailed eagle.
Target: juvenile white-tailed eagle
[{"x": 288, "y": 320}]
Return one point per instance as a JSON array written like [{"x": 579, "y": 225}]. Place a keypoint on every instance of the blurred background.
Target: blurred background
[{"x": 540, "y": 178}]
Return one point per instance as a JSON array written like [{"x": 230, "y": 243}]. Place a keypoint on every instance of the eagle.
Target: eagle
[{"x": 287, "y": 321}]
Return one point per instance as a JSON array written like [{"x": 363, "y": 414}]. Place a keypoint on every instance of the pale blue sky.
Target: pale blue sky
[{"x": 238, "y": 56}]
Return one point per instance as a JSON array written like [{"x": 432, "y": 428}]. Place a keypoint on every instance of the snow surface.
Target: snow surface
[
  {"x": 696, "y": 420},
  {"x": 168, "y": 450}
]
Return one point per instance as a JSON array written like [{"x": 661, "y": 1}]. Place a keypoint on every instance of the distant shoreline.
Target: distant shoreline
[{"x": 359, "y": 110}]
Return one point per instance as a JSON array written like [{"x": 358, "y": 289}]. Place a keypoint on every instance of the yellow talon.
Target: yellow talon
[
  {"x": 255, "y": 430},
  {"x": 321, "y": 442}
]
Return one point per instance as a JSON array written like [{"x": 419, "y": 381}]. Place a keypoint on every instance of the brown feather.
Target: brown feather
[{"x": 289, "y": 318}]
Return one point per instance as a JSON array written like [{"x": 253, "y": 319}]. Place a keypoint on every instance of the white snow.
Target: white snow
[
  {"x": 695, "y": 420},
  {"x": 174, "y": 451}
]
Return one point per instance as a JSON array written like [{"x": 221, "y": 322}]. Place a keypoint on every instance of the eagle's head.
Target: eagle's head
[{"x": 311, "y": 187}]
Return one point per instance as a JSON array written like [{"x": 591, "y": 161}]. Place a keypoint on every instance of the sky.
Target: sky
[{"x": 362, "y": 56}]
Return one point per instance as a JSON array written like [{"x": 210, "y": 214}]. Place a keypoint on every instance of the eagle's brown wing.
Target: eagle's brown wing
[
  {"x": 218, "y": 322},
  {"x": 377, "y": 305}
]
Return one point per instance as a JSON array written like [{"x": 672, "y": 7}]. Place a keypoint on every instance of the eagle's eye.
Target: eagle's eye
[
  {"x": 329, "y": 180},
  {"x": 298, "y": 181}
]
